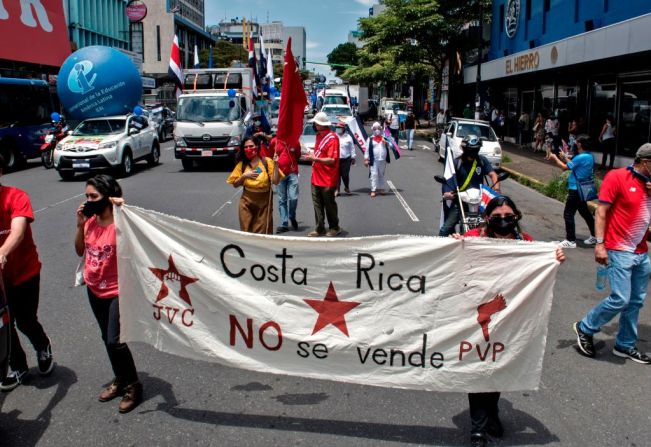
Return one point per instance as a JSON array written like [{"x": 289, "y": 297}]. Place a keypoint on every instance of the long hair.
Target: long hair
[
  {"x": 496, "y": 202},
  {"x": 106, "y": 185},
  {"x": 241, "y": 157}
]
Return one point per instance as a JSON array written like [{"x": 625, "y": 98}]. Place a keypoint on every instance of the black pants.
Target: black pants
[
  {"x": 23, "y": 307},
  {"x": 452, "y": 218},
  {"x": 572, "y": 205},
  {"x": 325, "y": 205},
  {"x": 484, "y": 411},
  {"x": 608, "y": 148},
  {"x": 344, "y": 172},
  {"x": 107, "y": 313},
  {"x": 395, "y": 133}
]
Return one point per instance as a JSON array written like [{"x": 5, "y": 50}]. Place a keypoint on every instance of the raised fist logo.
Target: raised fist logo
[{"x": 486, "y": 310}]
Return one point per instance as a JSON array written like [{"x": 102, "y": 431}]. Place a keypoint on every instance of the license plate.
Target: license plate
[
  {"x": 206, "y": 153},
  {"x": 81, "y": 165}
]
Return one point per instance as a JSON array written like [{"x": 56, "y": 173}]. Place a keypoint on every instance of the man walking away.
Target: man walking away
[
  {"x": 622, "y": 228},
  {"x": 393, "y": 120},
  {"x": 325, "y": 177},
  {"x": 21, "y": 272},
  {"x": 410, "y": 128}
]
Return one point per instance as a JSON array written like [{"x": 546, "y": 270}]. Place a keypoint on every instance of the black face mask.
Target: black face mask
[
  {"x": 96, "y": 207},
  {"x": 503, "y": 225}
]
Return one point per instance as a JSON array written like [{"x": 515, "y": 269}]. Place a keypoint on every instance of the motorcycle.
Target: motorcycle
[
  {"x": 50, "y": 141},
  {"x": 469, "y": 202}
]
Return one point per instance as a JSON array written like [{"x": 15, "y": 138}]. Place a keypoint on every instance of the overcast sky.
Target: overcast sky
[{"x": 326, "y": 23}]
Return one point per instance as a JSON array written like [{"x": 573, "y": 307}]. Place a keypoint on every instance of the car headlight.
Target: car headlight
[
  {"x": 234, "y": 141},
  {"x": 59, "y": 147},
  {"x": 498, "y": 150},
  {"x": 180, "y": 142},
  {"x": 108, "y": 145}
]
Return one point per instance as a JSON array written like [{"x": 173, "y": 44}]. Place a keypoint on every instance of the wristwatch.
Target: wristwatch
[{"x": 599, "y": 241}]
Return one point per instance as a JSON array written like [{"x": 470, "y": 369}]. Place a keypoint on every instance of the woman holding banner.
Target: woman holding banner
[
  {"x": 255, "y": 174},
  {"x": 501, "y": 218},
  {"x": 96, "y": 242}
]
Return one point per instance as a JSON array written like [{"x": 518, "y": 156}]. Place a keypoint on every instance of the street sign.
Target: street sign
[
  {"x": 136, "y": 11},
  {"x": 148, "y": 82}
]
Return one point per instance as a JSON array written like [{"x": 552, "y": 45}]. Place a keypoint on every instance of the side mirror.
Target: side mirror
[
  {"x": 503, "y": 176},
  {"x": 134, "y": 131},
  {"x": 449, "y": 134},
  {"x": 69, "y": 132}
]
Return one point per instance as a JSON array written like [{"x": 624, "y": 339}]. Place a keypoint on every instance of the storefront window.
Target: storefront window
[
  {"x": 602, "y": 102},
  {"x": 634, "y": 129}
]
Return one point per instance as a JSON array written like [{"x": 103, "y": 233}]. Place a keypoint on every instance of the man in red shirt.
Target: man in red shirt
[
  {"x": 325, "y": 177},
  {"x": 621, "y": 229},
  {"x": 21, "y": 275},
  {"x": 287, "y": 189}
]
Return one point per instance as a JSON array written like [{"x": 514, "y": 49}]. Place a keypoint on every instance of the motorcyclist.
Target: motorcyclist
[
  {"x": 260, "y": 130},
  {"x": 470, "y": 167}
]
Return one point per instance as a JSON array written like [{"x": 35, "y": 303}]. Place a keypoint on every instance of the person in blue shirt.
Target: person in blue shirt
[{"x": 581, "y": 167}]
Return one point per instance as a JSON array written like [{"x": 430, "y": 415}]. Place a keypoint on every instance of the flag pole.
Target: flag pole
[{"x": 464, "y": 226}]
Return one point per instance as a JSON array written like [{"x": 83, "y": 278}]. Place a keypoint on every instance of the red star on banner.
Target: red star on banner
[
  {"x": 172, "y": 274},
  {"x": 331, "y": 311}
]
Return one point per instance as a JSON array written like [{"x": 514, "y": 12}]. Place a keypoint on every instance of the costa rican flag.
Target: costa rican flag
[
  {"x": 253, "y": 65},
  {"x": 487, "y": 194},
  {"x": 174, "y": 71}
]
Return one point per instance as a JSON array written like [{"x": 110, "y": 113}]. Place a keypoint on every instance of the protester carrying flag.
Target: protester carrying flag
[{"x": 174, "y": 71}]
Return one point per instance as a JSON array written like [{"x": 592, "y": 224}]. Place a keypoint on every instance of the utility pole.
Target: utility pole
[{"x": 480, "y": 48}]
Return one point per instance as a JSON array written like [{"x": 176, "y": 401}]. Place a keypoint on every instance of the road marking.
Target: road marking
[
  {"x": 59, "y": 203},
  {"x": 427, "y": 148},
  {"x": 403, "y": 202},
  {"x": 228, "y": 202}
]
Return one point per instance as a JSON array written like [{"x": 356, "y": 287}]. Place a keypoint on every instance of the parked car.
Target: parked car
[
  {"x": 113, "y": 142},
  {"x": 458, "y": 128},
  {"x": 4, "y": 335},
  {"x": 337, "y": 112},
  {"x": 162, "y": 119}
]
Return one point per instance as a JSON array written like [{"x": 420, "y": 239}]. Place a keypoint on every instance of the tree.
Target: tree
[
  {"x": 345, "y": 54},
  {"x": 411, "y": 38},
  {"x": 223, "y": 54}
]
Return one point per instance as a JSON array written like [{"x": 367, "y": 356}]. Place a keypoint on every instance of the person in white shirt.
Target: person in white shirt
[
  {"x": 393, "y": 120},
  {"x": 346, "y": 157},
  {"x": 376, "y": 158}
]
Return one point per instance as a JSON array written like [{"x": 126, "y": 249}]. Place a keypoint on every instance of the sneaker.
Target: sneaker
[
  {"x": 294, "y": 224},
  {"x": 115, "y": 389},
  {"x": 632, "y": 354},
  {"x": 332, "y": 232},
  {"x": 590, "y": 241},
  {"x": 315, "y": 234},
  {"x": 478, "y": 440},
  {"x": 568, "y": 244},
  {"x": 282, "y": 229},
  {"x": 347, "y": 191},
  {"x": 45, "y": 360},
  {"x": 132, "y": 397},
  {"x": 584, "y": 341},
  {"x": 12, "y": 380}
]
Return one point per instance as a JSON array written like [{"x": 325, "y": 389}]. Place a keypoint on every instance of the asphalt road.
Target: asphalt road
[{"x": 580, "y": 402}]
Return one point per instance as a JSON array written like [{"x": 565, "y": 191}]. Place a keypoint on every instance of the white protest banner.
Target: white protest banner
[{"x": 395, "y": 311}]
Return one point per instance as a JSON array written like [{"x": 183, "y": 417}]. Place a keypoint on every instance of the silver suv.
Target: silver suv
[{"x": 113, "y": 142}]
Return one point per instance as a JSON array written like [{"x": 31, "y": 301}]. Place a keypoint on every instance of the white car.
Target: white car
[
  {"x": 337, "y": 112},
  {"x": 113, "y": 142},
  {"x": 459, "y": 128}
]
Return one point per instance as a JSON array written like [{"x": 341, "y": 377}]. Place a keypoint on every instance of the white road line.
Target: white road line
[
  {"x": 427, "y": 148},
  {"x": 403, "y": 202},
  {"x": 228, "y": 202},
  {"x": 59, "y": 203}
]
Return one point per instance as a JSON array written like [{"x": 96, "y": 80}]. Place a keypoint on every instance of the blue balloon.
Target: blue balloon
[
  {"x": 55, "y": 117},
  {"x": 137, "y": 110},
  {"x": 98, "y": 81},
  {"x": 231, "y": 93}
]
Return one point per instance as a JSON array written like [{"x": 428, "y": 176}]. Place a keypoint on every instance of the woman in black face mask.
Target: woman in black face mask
[
  {"x": 96, "y": 240},
  {"x": 501, "y": 218}
]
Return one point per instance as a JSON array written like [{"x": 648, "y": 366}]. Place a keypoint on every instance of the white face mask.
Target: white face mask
[
  {"x": 340, "y": 131},
  {"x": 377, "y": 132}
]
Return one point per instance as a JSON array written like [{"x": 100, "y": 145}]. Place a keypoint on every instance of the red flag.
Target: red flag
[
  {"x": 292, "y": 103},
  {"x": 174, "y": 70}
]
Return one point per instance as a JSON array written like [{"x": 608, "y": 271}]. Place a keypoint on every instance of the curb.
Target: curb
[{"x": 518, "y": 177}]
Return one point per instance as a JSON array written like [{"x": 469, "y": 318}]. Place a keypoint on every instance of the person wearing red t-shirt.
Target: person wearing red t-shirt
[
  {"x": 325, "y": 177},
  {"x": 501, "y": 218},
  {"x": 621, "y": 229},
  {"x": 287, "y": 188},
  {"x": 21, "y": 273},
  {"x": 96, "y": 241}
]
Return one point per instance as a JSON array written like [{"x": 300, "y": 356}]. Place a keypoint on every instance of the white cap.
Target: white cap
[{"x": 322, "y": 119}]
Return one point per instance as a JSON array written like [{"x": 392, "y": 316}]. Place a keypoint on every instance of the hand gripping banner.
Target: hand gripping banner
[{"x": 411, "y": 312}]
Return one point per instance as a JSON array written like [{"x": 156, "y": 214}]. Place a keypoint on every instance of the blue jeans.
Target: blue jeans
[
  {"x": 628, "y": 274},
  {"x": 287, "y": 191}
]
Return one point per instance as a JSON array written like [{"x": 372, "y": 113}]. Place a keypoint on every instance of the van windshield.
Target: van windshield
[{"x": 203, "y": 109}]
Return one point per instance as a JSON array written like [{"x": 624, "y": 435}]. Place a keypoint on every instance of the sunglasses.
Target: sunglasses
[{"x": 509, "y": 218}]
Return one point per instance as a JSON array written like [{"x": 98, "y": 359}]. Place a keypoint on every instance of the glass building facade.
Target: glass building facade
[{"x": 98, "y": 22}]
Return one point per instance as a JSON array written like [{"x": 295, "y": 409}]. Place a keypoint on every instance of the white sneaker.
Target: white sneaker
[
  {"x": 568, "y": 244},
  {"x": 590, "y": 241}
]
